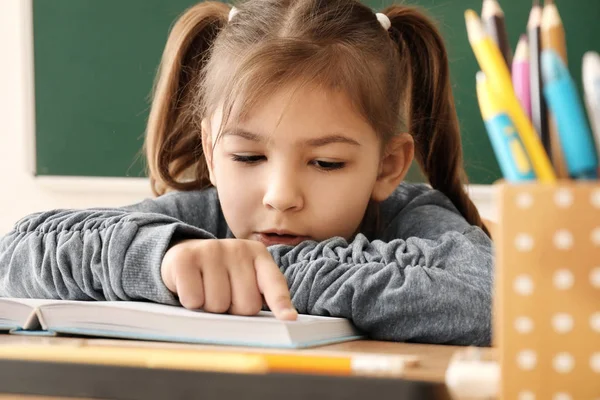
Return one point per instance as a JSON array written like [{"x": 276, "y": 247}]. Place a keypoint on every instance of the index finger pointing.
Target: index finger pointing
[{"x": 273, "y": 286}]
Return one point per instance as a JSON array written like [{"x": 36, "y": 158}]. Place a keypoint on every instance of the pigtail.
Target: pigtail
[
  {"x": 173, "y": 139},
  {"x": 432, "y": 114}
]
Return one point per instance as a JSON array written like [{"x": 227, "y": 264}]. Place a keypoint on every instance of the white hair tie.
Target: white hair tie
[
  {"x": 232, "y": 13},
  {"x": 384, "y": 20}
]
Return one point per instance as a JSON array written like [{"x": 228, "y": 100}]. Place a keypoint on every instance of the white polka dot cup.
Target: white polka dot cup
[{"x": 547, "y": 290}]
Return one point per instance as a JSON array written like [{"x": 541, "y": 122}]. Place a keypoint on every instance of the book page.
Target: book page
[
  {"x": 33, "y": 303},
  {"x": 162, "y": 309},
  {"x": 20, "y": 313}
]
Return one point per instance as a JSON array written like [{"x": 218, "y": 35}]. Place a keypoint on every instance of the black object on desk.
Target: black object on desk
[{"x": 115, "y": 382}]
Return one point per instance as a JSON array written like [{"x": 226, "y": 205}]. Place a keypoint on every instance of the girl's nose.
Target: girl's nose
[{"x": 283, "y": 192}]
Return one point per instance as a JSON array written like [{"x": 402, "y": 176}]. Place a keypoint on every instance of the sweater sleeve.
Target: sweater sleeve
[
  {"x": 102, "y": 254},
  {"x": 432, "y": 283}
]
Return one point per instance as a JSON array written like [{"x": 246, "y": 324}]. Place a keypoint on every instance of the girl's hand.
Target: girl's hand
[{"x": 226, "y": 275}]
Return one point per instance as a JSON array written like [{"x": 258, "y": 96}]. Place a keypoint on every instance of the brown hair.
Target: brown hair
[{"x": 397, "y": 80}]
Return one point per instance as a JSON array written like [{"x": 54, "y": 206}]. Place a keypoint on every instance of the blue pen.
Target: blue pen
[
  {"x": 506, "y": 142},
  {"x": 573, "y": 130}
]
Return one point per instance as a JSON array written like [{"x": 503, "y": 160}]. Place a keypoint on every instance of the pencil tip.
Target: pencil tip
[
  {"x": 475, "y": 30},
  {"x": 536, "y": 3},
  {"x": 548, "y": 2},
  {"x": 591, "y": 64},
  {"x": 522, "y": 50},
  {"x": 470, "y": 15},
  {"x": 491, "y": 8},
  {"x": 480, "y": 77}
]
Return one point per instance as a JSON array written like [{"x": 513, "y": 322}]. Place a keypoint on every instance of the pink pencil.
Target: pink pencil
[{"x": 520, "y": 74}]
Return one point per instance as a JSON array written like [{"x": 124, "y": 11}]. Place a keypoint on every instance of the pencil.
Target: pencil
[
  {"x": 520, "y": 74},
  {"x": 492, "y": 64},
  {"x": 505, "y": 140},
  {"x": 138, "y": 357},
  {"x": 358, "y": 364},
  {"x": 493, "y": 20},
  {"x": 575, "y": 135},
  {"x": 553, "y": 32},
  {"x": 591, "y": 86},
  {"x": 553, "y": 38},
  {"x": 538, "y": 103},
  {"x": 218, "y": 361}
]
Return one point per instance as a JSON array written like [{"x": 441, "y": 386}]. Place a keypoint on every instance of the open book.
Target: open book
[{"x": 149, "y": 321}]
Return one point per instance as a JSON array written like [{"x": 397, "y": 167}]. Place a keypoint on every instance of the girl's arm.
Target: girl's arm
[
  {"x": 103, "y": 254},
  {"x": 429, "y": 280}
]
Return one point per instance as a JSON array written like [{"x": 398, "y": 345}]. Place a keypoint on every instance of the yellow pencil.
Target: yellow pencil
[
  {"x": 356, "y": 364},
  {"x": 493, "y": 65},
  {"x": 505, "y": 140},
  {"x": 138, "y": 357},
  {"x": 217, "y": 361}
]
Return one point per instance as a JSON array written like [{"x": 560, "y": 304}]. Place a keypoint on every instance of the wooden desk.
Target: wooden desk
[{"x": 430, "y": 372}]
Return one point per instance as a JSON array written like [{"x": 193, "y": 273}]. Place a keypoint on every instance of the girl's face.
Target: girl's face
[{"x": 303, "y": 165}]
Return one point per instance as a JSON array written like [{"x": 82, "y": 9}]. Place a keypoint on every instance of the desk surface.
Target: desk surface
[
  {"x": 432, "y": 366},
  {"x": 433, "y": 362}
]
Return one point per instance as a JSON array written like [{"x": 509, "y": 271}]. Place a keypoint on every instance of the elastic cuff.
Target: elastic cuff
[{"x": 141, "y": 272}]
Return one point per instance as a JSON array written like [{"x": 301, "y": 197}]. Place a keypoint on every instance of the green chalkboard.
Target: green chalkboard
[{"x": 95, "y": 62}]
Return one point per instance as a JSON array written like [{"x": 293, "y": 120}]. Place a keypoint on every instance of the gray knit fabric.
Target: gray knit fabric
[{"x": 426, "y": 276}]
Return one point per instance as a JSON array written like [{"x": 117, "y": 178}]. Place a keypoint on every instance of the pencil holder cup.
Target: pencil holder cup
[{"x": 547, "y": 291}]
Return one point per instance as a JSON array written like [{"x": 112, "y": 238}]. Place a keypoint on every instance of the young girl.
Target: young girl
[{"x": 282, "y": 130}]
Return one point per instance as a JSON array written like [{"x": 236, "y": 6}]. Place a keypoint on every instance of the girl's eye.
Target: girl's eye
[
  {"x": 324, "y": 165},
  {"x": 247, "y": 159},
  {"x": 328, "y": 165}
]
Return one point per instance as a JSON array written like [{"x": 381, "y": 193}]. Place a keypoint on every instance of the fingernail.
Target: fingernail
[{"x": 289, "y": 313}]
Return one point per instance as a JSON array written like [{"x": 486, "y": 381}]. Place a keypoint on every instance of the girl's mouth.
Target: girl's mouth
[{"x": 271, "y": 238}]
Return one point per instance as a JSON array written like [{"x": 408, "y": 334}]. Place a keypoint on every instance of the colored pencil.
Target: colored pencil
[
  {"x": 493, "y": 19},
  {"x": 553, "y": 38},
  {"x": 520, "y": 74},
  {"x": 492, "y": 64},
  {"x": 257, "y": 362},
  {"x": 138, "y": 357},
  {"x": 538, "y": 103},
  {"x": 591, "y": 86},
  {"x": 552, "y": 30},
  {"x": 357, "y": 364},
  {"x": 563, "y": 100},
  {"x": 505, "y": 140}
]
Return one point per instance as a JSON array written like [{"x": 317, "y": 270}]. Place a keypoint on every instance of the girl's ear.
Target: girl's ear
[
  {"x": 207, "y": 148},
  {"x": 394, "y": 165}
]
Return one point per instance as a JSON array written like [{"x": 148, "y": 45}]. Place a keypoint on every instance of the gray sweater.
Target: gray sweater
[{"x": 426, "y": 276}]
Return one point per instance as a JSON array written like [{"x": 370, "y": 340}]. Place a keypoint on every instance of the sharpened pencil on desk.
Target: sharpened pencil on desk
[
  {"x": 137, "y": 357},
  {"x": 216, "y": 361},
  {"x": 357, "y": 364}
]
